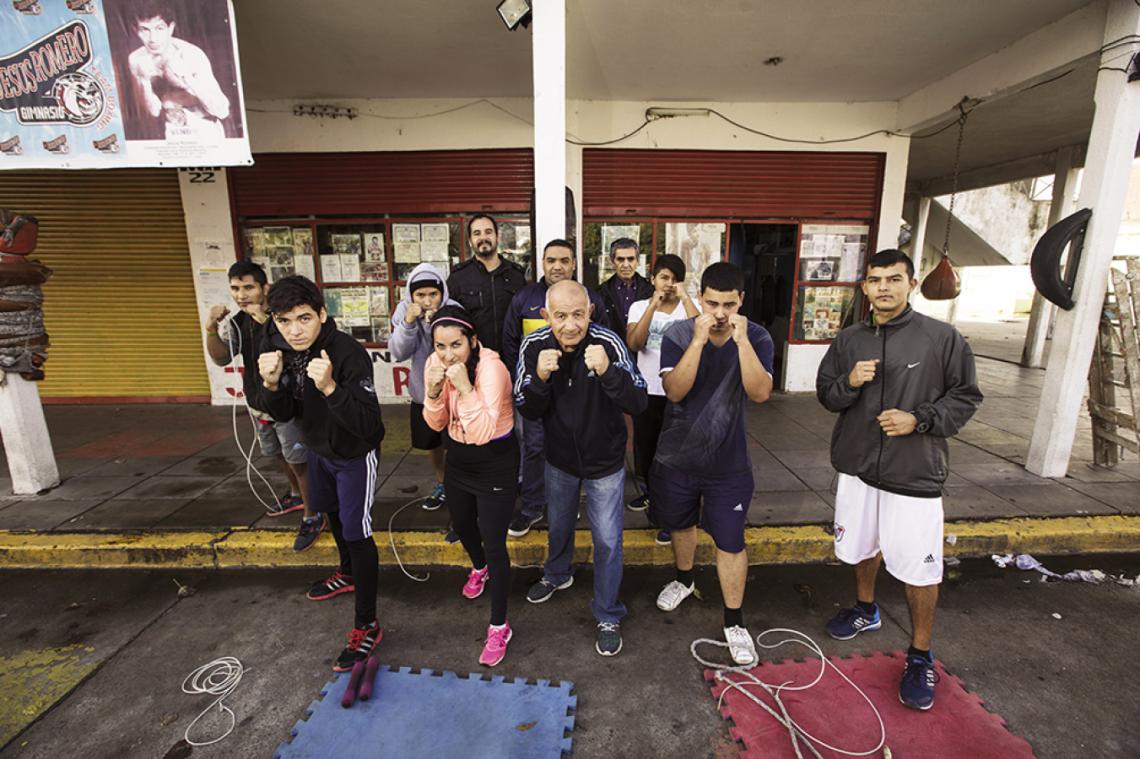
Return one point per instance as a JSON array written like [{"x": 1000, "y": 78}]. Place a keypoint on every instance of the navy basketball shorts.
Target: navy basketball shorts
[
  {"x": 719, "y": 504},
  {"x": 345, "y": 486}
]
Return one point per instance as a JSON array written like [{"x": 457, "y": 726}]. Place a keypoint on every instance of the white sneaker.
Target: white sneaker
[
  {"x": 673, "y": 594},
  {"x": 740, "y": 645}
]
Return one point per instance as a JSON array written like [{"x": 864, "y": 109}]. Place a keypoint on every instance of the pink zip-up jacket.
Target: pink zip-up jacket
[{"x": 484, "y": 414}]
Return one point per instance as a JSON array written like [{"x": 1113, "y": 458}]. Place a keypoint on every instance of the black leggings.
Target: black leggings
[
  {"x": 481, "y": 522},
  {"x": 481, "y": 484},
  {"x": 360, "y": 561},
  {"x": 646, "y": 430}
]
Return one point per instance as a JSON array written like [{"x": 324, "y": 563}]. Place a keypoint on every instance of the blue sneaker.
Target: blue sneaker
[
  {"x": 850, "y": 622},
  {"x": 917, "y": 687},
  {"x": 434, "y": 501}
]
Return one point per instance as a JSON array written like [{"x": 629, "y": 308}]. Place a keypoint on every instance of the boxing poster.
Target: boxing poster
[{"x": 88, "y": 84}]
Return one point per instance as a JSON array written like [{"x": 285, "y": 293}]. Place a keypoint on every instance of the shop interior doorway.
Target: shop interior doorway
[{"x": 766, "y": 252}]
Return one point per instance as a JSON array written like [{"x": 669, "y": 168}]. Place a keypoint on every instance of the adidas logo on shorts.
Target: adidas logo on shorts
[{"x": 929, "y": 559}]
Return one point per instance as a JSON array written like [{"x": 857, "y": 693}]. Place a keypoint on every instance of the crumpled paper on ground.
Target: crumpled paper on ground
[{"x": 1025, "y": 562}]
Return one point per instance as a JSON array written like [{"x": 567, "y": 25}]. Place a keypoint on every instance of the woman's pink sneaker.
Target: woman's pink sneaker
[
  {"x": 496, "y": 646},
  {"x": 476, "y": 580}
]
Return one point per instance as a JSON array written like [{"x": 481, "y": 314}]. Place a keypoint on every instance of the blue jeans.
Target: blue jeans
[
  {"x": 605, "y": 511},
  {"x": 532, "y": 462}
]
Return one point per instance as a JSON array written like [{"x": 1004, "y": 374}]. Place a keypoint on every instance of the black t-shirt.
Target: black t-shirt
[{"x": 244, "y": 337}]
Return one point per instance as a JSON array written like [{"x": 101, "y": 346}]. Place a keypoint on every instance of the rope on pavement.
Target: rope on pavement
[
  {"x": 796, "y": 733},
  {"x": 218, "y": 678}
]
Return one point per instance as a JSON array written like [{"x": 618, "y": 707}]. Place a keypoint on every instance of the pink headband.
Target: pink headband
[{"x": 453, "y": 319}]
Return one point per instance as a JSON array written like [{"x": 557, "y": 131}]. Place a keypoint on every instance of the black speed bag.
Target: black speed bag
[{"x": 1045, "y": 263}]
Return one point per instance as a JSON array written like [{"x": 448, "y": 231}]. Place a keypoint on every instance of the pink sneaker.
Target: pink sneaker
[
  {"x": 473, "y": 588},
  {"x": 496, "y": 646}
]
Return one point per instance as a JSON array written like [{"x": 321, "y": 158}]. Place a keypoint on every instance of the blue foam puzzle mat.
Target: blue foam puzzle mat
[{"x": 426, "y": 713}]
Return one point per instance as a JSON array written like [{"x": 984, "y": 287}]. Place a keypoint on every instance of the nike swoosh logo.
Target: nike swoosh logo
[
  {"x": 911, "y": 366},
  {"x": 534, "y": 308},
  {"x": 497, "y": 490}
]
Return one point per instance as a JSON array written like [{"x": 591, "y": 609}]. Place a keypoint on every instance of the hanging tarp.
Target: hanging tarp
[{"x": 117, "y": 83}]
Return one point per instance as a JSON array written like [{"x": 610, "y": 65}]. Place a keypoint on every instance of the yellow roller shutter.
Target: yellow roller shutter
[{"x": 120, "y": 309}]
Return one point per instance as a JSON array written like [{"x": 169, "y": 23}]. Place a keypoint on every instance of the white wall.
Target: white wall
[{"x": 408, "y": 125}]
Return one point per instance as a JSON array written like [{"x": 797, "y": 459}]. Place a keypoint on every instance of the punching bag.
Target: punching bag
[{"x": 943, "y": 282}]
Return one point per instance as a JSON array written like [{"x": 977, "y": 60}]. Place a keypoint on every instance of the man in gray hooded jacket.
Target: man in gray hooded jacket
[
  {"x": 425, "y": 293},
  {"x": 902, "y": 384}
]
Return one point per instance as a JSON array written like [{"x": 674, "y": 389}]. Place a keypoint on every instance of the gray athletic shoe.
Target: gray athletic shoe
[{"x": 543, "y": 589}]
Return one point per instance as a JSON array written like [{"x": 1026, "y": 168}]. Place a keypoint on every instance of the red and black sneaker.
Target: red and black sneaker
[
  {"x": 338, "y": 583},
  {"x": 287, "y": 504},
  {"x": 361, "y": 641}
]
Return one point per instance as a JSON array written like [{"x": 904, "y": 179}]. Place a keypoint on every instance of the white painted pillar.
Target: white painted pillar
[
  {"x": 549, "y": 65},
  {"x": 918, "y": 241},
  {"x": 27, "y": 444},
  {"x": 1041, "y": 314},
  {"x": 1108, "y": 163}
]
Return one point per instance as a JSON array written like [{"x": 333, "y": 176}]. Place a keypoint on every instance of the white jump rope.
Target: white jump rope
[
  {"x": 220, "y": 677},
  {"x": 250, "y": 467},
  {"x": 747, "y": 679}
]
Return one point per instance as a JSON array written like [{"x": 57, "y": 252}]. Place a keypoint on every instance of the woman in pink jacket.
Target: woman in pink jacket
[{"x": 467, "y": 392}]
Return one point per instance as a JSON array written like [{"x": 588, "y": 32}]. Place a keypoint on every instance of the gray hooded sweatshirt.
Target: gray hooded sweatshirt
[{"x": 414, "y": 340}]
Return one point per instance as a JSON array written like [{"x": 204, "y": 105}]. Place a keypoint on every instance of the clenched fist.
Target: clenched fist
[
  {"x": 701, "y": 326},
  {"x": 412, "y": 312},
  {"x": 896, "y": 423},
  {"x": 217, "y": 313},
  {"x": 434, "y": 379},
  {"x": 457, "y": 375},
  {"x": 547, "y": 363},
  {"x": 863, "y": 373},
  {"x": 597, "y": 360},
  {"x": 320, "y": 371},
  {"x": 269, "y": 366},
  {"x": 739, "y": 324}
]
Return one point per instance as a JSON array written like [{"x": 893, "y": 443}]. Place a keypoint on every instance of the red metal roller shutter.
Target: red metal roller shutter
[
  {"x": 722, "y": 183},
  {"x": 294, "y": 184}
]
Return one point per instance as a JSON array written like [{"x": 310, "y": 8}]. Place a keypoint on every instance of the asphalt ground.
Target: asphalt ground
[{"x": 91, "y": 662}]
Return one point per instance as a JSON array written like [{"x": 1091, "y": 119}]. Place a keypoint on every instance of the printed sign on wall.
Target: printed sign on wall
[{"x": 116, "y": 83}]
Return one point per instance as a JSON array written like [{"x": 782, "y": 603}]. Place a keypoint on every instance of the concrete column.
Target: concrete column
[
  {"x": 1041, "y": 314},
  {"x": 549, "y": 65},
  {"x": 1108, "y": 163},
  {"x": 27, "y": 444},
  {"x": 918, "y": 241}
]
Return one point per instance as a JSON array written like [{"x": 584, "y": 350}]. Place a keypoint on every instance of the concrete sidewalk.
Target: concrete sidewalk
[{"x": 170, "y": 478}]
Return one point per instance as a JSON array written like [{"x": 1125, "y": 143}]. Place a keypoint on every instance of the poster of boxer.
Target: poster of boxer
[{"x": 116, "y": 83}]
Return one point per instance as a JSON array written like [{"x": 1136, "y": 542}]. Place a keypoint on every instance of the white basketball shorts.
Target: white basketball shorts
[{"x": 907, "y": 530}]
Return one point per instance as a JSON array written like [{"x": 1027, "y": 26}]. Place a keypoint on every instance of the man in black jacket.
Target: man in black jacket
[
  {"x": 312, "y": 372},
  {"x": 485, "y": 283},
  {"x": 626, "y": 286},
  {"x": 579, "y": 379},
  {"x": 902, "y": 384}
]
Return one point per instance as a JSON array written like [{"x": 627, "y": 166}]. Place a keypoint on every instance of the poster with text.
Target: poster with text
[{"x": 115, "y": 83}]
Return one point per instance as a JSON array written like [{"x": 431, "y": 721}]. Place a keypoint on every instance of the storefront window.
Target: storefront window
[
  {"x": 698, "y": 244},
  {"x": 830, "y": 267},
  {"x": 362, "y": 266}
]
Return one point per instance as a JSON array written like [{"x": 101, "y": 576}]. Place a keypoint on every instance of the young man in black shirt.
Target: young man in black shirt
[
  {"x": 312, "y": 372},
  {"x": 279, "y": 440}
]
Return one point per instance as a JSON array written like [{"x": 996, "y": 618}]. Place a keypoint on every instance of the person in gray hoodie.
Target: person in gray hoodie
[
  {"x": 902, "y": 383},
  {"x": 425, "y": 293}
]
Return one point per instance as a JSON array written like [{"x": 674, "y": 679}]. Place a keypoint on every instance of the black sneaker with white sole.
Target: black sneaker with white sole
[
  {"x": 544, "y": 589},
  {"x": 361, "y": 641},
  {"x": 309, "y": 532},
  {"x": 607, "y": 642},
  {"x": 520, "y": 524},
  {"x": 638, "y": 503}
]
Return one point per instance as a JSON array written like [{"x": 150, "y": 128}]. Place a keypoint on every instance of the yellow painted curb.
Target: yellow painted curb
[
  {"x": 800, "y": 544},
  {"x": 66, "y": 550}
]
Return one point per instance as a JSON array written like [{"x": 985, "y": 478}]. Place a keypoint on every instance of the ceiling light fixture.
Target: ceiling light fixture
[
  {"x": 515, "y": 13},
  {"x": 670, "y": 113}
]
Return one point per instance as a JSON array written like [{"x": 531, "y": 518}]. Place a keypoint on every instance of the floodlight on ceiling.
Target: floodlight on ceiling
[{"x": 515, "y": 13}]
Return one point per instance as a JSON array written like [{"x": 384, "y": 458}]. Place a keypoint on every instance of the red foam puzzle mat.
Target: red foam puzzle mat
[{"x": 957, "y": 726}]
